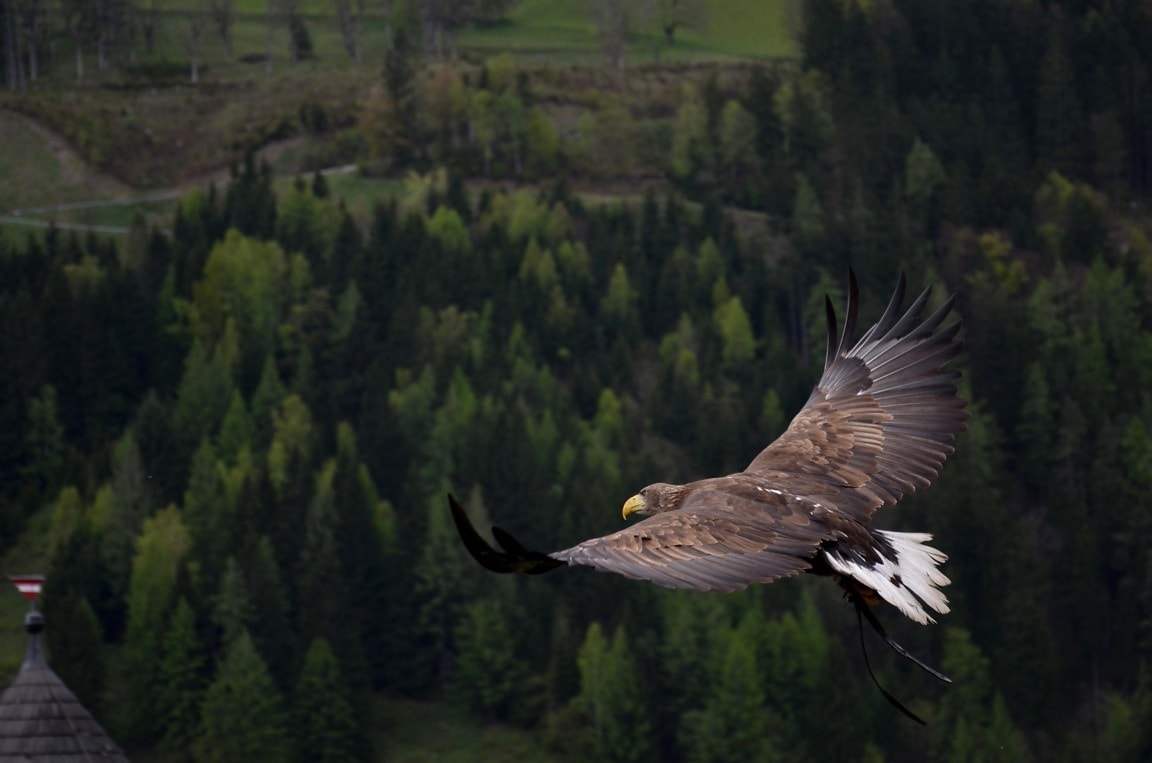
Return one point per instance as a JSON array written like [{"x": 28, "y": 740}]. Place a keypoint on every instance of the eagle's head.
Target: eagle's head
[{"x": 657, "y": 497}]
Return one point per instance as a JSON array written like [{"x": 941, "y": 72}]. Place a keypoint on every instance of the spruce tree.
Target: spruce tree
[
  {"x": 204, "y": 503},
  {"x": 182, "y": 679},
  {"x": 233, "y": 612},
  {"x": 132, "y": 502},
  {"x": 243, "y": 716},
  {"x": 488, "y": 668},
  {"x": 237, "y": 430},
  {"x": 327, "y": 725},
  {"x": 612, "y": 697},
  {"x": 733, "y": 723},
  {"x": 161, "y": 547},
  {"x": 271, "y": 628}
]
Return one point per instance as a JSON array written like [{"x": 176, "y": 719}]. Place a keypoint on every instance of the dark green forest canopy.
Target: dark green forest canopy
[{"x": 278, "y": 394}]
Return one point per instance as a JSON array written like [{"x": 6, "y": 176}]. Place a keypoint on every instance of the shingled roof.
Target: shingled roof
[{"x": 41, "y": 721}]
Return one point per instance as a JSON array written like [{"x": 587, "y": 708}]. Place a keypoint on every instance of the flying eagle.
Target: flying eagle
[{"x": 879, "y": 424}]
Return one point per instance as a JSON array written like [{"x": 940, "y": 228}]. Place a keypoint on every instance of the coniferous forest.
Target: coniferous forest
[{"x": 239, "y": 433}]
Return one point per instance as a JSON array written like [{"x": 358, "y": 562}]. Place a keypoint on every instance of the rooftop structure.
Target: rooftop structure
[{"x": 41, "y": 721}]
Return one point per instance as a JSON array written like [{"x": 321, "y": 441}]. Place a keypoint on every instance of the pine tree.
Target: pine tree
[
  {"x": 204, "y": 513},
  {"x": 77, "y": 572},
  {"x": 233, "y": 612},
  {"x": 443, "y": 582},
  {"x": 733, "y": 722},
  {"x": 44, "y": 440},
  {"x": 161, "y": 547},
  {"x": 737, "y": 140},
  {"x": 165, "y": 456},
  {"x": 326, "y": 722},
  {"x": 205, "y": 389},
  {"x": 326, "y": 608},
  {"x": 808, "y": 219},
  {"x": 237, "y": 430},
  {"x": 1059, "y": 117},
  {"x": 132, "y": 502},
  {"x": 363, "y": 531},
  {"x": 695, "y": 619},
  {"x": 319, "y": 185},
  {"x": 181, "y": 681},
  {"x": 612, "y": 697},
  {"x": 347, "y": 248},
  {"x": 738, "y": 343},
  {"x": 242, "y": 717},
  {"x": 250, "y": 202},
  {"x": 22, "y": 345},
  {"x": 691, "y": 158},
  {"x": 270, "y": 624},
  {"x": 488, "y": 668}
]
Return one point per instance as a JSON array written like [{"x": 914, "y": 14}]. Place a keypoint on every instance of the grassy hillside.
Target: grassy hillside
[
  {"x": 144, "y": 124},
  {"x": 37, "y": 169},
  {"x": 559, "y": 30},
  {"x": 564, "y": 29}
]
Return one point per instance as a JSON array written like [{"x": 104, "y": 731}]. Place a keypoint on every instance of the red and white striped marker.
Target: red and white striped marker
[{"x": 29, "y": 585}]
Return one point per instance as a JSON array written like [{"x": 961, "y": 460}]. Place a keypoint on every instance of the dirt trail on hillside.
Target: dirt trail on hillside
[
  {"x": 76, "y": 170},
  {"x": 107, "y": 188}
]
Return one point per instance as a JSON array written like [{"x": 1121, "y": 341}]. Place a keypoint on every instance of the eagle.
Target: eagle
[{"x": 878, "y": 425}]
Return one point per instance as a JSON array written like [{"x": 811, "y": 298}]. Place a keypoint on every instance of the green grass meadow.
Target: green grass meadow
[
  {"x": 406, "y": 731},
  {"x": 563, "y": 30},
  {"x": 559, "y": 31}
]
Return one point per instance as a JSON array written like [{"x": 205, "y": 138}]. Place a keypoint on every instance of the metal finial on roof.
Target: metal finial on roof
[
  {"x": 34, "y": 622},
  {"x": 33, "y": 654}
]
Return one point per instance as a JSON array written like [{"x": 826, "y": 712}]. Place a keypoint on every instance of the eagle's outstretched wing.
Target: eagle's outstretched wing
[
  {"x": 731, "y": 538},
  {"x": 881, "y": 420}
]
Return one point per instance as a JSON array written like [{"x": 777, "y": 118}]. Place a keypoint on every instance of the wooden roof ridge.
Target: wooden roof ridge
[{"x": 42, "y": 721}]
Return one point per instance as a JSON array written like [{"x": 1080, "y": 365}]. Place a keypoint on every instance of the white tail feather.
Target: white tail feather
[{"x": 906, "y": 576}]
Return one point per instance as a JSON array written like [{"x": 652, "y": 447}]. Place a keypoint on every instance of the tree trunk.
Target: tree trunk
[
  {"x": 32, "y": 34},
  {"x": 430, "y": 28},
  {"x": 271, "y": 16},
  {"x": 192, "y": 46},
  {"x": 221, "y": 12},
  {"x": 12, "y": 57},
  {"x": 33, "y": 64},
  {"x": 389, "y": 33},
  {"x": 102, "y": 50},
  {"x": 345, "y": 16}
]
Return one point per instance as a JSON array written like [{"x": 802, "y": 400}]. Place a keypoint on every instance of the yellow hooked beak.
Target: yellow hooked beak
[{"x": 633, "y": 505}]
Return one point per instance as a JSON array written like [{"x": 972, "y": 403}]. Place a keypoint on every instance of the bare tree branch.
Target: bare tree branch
[
  {"x": 350, "y": 14},
  {"x": 222, "y": 18},
  {"x": 192, "y": 39}
]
